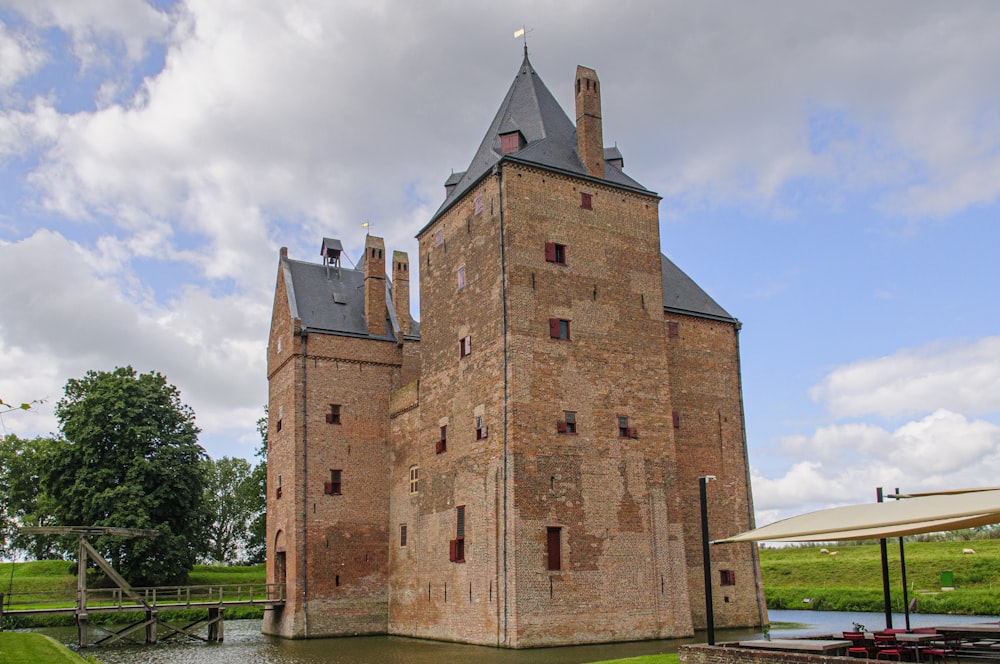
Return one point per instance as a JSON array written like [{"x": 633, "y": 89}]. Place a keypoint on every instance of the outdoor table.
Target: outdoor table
[
  {"x": 914, "y": 640},
  {"x": 989, "y": 630},
  {"x": 800, "y": 645}
]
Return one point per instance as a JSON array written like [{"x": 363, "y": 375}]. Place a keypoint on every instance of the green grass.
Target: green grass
[
  {"x": 644, "y": 659},
  {"x": 31, "y": 648},
  {"x": 852, "y": 580}
]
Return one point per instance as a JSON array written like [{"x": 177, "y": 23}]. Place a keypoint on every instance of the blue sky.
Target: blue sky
[{"x": 830, "y": 174}]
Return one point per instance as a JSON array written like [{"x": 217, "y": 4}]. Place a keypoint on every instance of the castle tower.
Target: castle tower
[
  {"x": 518, "y": 468},
  {"x": 332, "y": 367},
  {"x": 541, "y": 476}
]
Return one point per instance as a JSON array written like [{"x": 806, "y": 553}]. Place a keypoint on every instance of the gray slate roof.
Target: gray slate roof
[
  {"x": 549, "y": 138},
  {"x": 682, "y": 295},
  {"x": 330, "y": 303}
]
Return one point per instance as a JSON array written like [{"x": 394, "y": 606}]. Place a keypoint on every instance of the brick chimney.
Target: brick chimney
[
  {"x": 589, "y": 134},
  {"x": 401, "y": 289},
  {"x": 375, "y": 309}
]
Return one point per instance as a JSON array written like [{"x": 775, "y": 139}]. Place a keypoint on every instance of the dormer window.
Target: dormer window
[{"x": 511, "y": 142}]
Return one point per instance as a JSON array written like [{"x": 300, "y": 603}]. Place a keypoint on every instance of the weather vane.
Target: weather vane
[{"x": 522, "y": 33}]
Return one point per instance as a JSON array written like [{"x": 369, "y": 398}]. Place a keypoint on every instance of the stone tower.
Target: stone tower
[{"x": 520, "y": 468}]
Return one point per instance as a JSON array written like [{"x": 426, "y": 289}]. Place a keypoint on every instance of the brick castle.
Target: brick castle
[{"x": 520, "y": 468}]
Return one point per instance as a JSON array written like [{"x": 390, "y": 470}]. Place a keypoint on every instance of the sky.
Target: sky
[{"x": 829, "y": 173}]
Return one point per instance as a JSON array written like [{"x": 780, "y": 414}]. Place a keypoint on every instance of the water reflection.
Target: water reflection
[{"x": 245, "y": 644}]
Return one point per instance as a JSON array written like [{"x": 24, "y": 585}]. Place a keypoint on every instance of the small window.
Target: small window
[
  {"x": 568, "y": 423},
  {"x": 442, "y": 445},
  {"x": 456, "y": 547},
  {"x": 277, "y": 491},
  {"x": 402, "y": 535},
  {"x": 555, "y": 253},
  {"x": 279, "y": 344},
  {"x": 277, "y": 427},
  {"x": 461, "y": 277},
  {"x": 624, "y": 430},
  {"x": 332, "y": 488},
  {"x": 676, "y": 417},
  {"x": 438, "y": 240},
  {"x": 482, "y": 431},
  {"x": 553, "y": 548},
  {"x": 510, "y": 142},
  {"x": 727, "y": 577},
  {"x": 559, "y": 329},
  {"x": 465, "y": 346},
  {"x": 477, "y": 204},
  {"x": 414, "y": 479},
  {"x": 333, "y": 417},
  {"x": 586, "y": 201},
  {"x": 673, "y": 330}
]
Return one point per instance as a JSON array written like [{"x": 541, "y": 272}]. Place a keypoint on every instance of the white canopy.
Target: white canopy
[{"x": 925, "y": 513}]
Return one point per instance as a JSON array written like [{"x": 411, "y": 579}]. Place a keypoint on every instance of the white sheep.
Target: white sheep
[{"x": 968, "y": 551}]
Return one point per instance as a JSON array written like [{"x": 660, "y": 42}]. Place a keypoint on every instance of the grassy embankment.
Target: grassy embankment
[
  {"x": 29, "y": 648},
  {"x": 852, "y": 580},
  {"x": 59, "y": 576}
]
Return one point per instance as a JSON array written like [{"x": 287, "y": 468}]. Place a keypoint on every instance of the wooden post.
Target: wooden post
[
  {"x": 215, "y": 623},
  {"x": 81, "y": 594},
  {"x": 1, "y": 612},
  {"x": 151, "y": 626}
]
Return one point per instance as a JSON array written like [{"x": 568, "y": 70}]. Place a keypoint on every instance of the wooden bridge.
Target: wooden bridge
[{"x": 215, "y": 599}]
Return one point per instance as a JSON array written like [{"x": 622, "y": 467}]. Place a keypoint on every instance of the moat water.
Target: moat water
[{"x": 244, "y": 644}]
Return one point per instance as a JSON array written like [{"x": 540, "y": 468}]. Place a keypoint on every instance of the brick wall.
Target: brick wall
[
  {"x": 733, "y": 654},
  {"x": 704, "y": 363}
]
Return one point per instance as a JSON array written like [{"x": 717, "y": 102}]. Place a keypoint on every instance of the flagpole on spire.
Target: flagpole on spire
[{"x": 522, "y": 33}]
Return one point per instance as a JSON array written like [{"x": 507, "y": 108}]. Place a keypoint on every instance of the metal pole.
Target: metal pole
[
  {"x": 706, "y": 557},
  {"x": 886, "y": 596},
  {"x": 902, "y": 568}
]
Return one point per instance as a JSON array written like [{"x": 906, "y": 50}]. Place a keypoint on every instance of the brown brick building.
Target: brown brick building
[{"x": 521, "y": 468}]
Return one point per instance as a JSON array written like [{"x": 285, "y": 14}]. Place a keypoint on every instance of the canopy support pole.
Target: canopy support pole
[
  {"x": 886, "y": 595},
  {"x": 902, "y": 567},
  {"x": 706, "y": 558}
]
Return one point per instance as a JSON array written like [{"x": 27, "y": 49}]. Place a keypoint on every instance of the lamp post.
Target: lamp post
[{"x": 706, "y": 557}]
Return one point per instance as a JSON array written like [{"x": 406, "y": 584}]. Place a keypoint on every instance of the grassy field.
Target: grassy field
[
  {"x": 852, "y": 579},
  {"x": 29, "y": 648}
]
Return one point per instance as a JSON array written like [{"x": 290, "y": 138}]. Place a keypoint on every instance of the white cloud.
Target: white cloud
[
  {"x": 944, "y": 450},
  {"x": 964, "y": 377},
  {"x": 132, "y": 22},
  {"x": 19, "y": 55},
  {"x": 62, "y": 317}
]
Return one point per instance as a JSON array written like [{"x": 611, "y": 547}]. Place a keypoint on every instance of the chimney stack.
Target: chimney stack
[
  {"x": 376, "y": 312},
  {"x": 589, "y": 134},
  {"x": 401, "y": 289}
]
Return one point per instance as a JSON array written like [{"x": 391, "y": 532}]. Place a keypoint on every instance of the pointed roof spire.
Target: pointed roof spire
[{"x": 547, "y": 137}]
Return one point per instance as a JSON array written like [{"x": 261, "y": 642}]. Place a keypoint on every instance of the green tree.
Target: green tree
[
  {"x": 257, "y": 539},
  {"x": 131, "y": 459},
  {"x": 230, "y": 495},
  {"x": 23, "y": 498}
]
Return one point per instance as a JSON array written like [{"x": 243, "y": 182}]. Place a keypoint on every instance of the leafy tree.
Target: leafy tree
[
  {"x": 257, "y": 540},
  {"x": 231, "y": 500},
  {"x": 23, "y": 499},
  {"x": 131, "y": 459}
]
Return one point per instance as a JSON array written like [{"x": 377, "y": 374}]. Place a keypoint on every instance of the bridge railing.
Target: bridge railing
[{"x": 173, "y": 596}]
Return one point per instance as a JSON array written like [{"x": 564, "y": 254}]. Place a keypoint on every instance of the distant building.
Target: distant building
[{"x": 520, "y": 468}]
